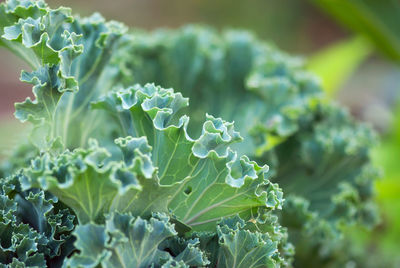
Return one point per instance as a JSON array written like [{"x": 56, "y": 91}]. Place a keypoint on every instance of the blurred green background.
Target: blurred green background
[{"x": 354, "y": 45}]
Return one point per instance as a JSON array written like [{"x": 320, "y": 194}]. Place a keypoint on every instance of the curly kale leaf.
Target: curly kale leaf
[
  {"x": 162, "y": 168},
  {"x": 334, "y": 182},
  {"x": 68, "y": 56},
  {"x": 126, "y": 241},
  {"x": 35, "y": 230},
  {"x": 316, "y": 151},
  {"x": 232, "y": 75}
]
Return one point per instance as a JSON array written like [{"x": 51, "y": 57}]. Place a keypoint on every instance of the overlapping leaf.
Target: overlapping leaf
[
  {"x": 199, "y": 181},
  {"x": 66, "y": 54},
  {"x": 34, "y": 229},
  {"x": 315, "y": 150},
  {"x": 318, "y": 154},
  {"x": 268, "y": 91},
  {"x": 126, "y": 241}
]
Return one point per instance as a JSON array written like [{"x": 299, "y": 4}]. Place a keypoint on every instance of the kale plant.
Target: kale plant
[{"x": 115, "y": 174}]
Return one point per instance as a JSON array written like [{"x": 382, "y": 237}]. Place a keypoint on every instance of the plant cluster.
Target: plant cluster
[{"x": 114, "y": 173}]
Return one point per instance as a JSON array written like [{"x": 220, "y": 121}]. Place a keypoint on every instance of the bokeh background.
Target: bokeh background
[{"x": 354, "y": 45}]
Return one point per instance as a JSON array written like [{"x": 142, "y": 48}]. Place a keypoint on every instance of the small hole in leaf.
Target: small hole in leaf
[{"x": 188, "y": 190}]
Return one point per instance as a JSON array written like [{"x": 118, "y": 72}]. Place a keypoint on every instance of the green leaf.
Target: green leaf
[
  {"x": 33, "y": 231},
  {"x": 247, "y": 244},
  {"x": 194, "y": 171},
  {"x": 77, "y": 179},
  {"x": 11, "y": 134},
  {"x": 333, "y": 186},
  {"x": 185, "y": 250},
  {"x": 375, "y": 20},
  {"x": 66, "y": 54},
  {"x": 126, "y": 241},
  {"x": 242, "y": 248},
  {"x": 11, "y": 12},
  {"x": 233, "y": 65},
  {"x": 315, "y": 150},
  {"x": 199, "y": 181}
]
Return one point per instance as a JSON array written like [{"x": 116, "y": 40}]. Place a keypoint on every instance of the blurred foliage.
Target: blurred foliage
[
  {"x": 387, "y": 156},
  {"x": 295, "y": 26},
  {"x": 380, "y": 247},
  {"x": 378, "y": 20},
  {"x": 11, "y": 132},
  {"x": 336, "y": 63}
]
